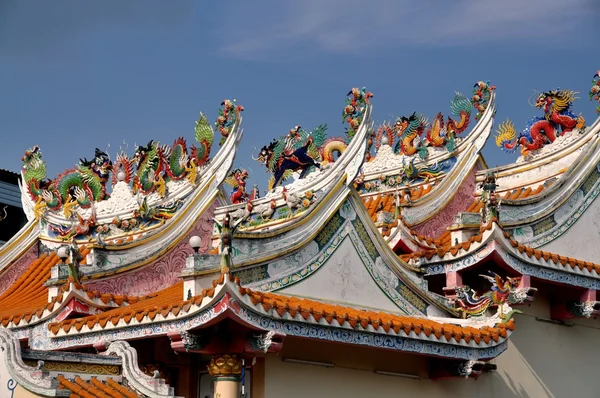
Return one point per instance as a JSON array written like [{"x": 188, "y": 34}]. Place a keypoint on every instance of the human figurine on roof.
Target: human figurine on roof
[
  {"x": 226, "y": 231},
  {"x": 76, "y": 257},
  {"x": 489, "y": 183}
]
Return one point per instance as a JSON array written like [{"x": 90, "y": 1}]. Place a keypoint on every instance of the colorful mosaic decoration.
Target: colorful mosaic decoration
[
  {"x": 303, "y": 151},
  {"x": 237, "y": 179},
  {"x": 410, "y": 174},
  {"x": 228, "y": 114},
  {"x": 502, "y": 292},
  {"x": 482, "y": 93},
  {"x": 414, "y": 134},
  {"x": 595, "y": 91},
  {"x": 557, "y": 121},
  {"x": 149, "y": 170},
  {"x": 354, "y": 111}
]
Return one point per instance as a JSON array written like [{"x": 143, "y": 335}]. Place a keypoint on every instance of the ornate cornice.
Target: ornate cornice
[
  {"x": 32, "y": 379},
  {"x": 138, "y": 380}
]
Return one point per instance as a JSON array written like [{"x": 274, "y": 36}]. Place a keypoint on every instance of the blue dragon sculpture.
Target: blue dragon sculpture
[{"x": 298, "y": 150}]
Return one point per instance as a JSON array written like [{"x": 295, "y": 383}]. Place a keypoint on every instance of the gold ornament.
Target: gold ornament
[{"x": 225, "y": 365}]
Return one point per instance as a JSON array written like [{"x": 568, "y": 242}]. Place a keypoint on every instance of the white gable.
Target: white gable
[{"x": 343, "y": 278}]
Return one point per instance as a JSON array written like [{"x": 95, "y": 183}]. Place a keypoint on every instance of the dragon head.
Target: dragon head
[
  {"x": 141, "y": 152},
  {"x": 555, "y": 101},
  {"x": 266, "y": 153},
  {"x": 241, "y": 175},
  {"x": 101, "y": 164},
  {"x": 401, "y": 124},
  {"x": 32, "y": 158}
]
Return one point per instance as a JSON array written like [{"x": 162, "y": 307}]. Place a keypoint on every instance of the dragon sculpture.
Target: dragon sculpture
[
  {"x": 411, "y": 136},
  {"x": 157, "y": 164},
  {"x": 154, "y": 164},
  {"x": 298, "y": 150},
  {"x": 303, "y": 151},
  {"x": 440, "y": 135},
  {"x": 81, "y": 186},
  {"x": 410, "y": 130},
  {"x": 150, "y": 162},
  {"x": 237, "y": 179},
  {"x": 595, "y": 91},
  {"x": 411, "y": 172},
  {"x": 503, "y": 291},
  {"x": 558, "y": 120}
]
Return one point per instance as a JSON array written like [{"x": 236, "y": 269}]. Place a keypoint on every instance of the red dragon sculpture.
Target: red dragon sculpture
[{"x": 558, "y": 120}]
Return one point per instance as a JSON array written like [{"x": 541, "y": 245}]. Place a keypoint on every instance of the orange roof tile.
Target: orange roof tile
[
  {"x": 476, "y": 206},
  {"x": 28, "y": 295},
  {"x": 95, "y": 388},
  {"x": 167, "y": 300},
  {"x": 523, "y": 192},
  {"x": 329, "y": 312},
  {"x": 170, "y": 301},
  {"x": 529, "y": 251},
  {"x": 385, "y": 202},
  {"x": 447, "y": 247},
  {"x": 564, "y": 261}
]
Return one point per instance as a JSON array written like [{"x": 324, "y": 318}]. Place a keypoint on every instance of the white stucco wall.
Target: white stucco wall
[
  {"x": 582, "y": 240},
  {"x": 344, "y": 278},
  {"x": 543, "y": 360}
]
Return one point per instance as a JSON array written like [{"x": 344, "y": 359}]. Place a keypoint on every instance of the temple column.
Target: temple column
[
  {"x": 453, "y": 280},
  {"x": 226, "y": 371}
]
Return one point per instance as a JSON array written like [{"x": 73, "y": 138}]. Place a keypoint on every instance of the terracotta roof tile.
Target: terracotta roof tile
[
  {"x": 170, "y": 301},
  {"x": 447, "y": 246},
  {"x": 385, "y": 202},
  {"x": 365, "y": 318},
  {"x": 523, "y": 249},
  {"x": 28, "y": 295},
  {"x": 167, "y": 298},
  {"x": 95, "y": 388},
  {"x": 523, "y": 192}
]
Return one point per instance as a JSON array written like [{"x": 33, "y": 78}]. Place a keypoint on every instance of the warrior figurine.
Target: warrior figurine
[{"x": 226, "y": 231}]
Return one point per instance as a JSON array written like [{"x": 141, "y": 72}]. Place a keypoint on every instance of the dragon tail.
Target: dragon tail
[
  {"x": 175, "y": 169},
  {"x": 461, "y": 108},
  {"x": 506, "y": 136},
  {"x": 507, "y": 317},
  {"x": 201, "y": 153},
  {"x": 330, "y": 147},
  {"x": 434, "y": 135}
]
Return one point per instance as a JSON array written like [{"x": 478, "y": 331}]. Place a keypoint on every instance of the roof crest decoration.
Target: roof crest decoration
[
  {"x": 303, "y": 151},
  {"x": 148, "y": 187},
  {"x": 558, "y": 120},
  {"x": 416, "y": 135}
]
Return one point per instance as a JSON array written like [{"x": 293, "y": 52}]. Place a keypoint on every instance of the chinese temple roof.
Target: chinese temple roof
[
  {"x": 168, "y": 306},
  {"x": 27, "y": 300}
]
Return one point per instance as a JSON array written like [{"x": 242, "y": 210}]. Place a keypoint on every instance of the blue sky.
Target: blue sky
[{"x": 77, "y": 75}]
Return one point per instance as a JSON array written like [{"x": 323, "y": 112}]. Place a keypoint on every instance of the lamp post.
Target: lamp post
[
  {"x": 195, "y": 242},
  {"x": 63, "y": 253}
]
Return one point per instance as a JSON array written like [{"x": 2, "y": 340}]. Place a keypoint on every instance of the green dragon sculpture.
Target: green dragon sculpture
[{"x": 82, "y": 185}]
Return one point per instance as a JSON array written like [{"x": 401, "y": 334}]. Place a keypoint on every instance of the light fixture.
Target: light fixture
[
  {"x": 405, "y": 375},
  {"x": 305, "y": 362},
  {"x": 195, "y": 243},
  {"x": 63, "y": 253}
]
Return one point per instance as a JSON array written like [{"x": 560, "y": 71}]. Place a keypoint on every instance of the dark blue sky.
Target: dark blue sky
[{"x": 77, "y": 75}]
